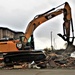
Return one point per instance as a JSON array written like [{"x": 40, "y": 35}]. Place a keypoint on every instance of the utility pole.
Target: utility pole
[{"x": 51, "y": 41}]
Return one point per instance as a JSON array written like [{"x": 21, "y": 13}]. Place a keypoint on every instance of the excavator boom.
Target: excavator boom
[{"x": 39, "y": 19}]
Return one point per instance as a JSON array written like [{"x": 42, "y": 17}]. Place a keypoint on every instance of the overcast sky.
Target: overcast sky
[{"x": 16, "y": 14}]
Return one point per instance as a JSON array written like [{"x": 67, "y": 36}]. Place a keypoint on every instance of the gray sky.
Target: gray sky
[{"x": 16, "y": 14}]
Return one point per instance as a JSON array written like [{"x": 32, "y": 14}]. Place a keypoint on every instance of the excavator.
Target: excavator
[{"x": 19, "y": 53}]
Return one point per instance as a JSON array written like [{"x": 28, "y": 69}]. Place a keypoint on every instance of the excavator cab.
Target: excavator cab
[{"x": 25, "y": 46}]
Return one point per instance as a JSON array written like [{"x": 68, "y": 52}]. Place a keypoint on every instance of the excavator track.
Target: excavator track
[{"x": 23, "y": 56}]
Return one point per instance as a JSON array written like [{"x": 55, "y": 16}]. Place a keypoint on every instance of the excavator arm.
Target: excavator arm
[
  {"x": 67, "y": 22},
  {"x": 66, "y": 25},
  {"x": 39, "y": 19}
]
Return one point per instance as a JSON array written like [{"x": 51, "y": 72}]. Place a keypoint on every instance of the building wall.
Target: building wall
[
  {"x": 5, "y": 32},
  {"x": 17, "y": 35},
  {"x": 1, "y": 33}
]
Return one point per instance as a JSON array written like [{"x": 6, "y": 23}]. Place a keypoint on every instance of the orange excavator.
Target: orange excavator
[{"x": 15, "y": 49}]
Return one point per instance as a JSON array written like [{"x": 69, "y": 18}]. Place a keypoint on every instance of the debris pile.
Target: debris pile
[
  {"x": 58, "y": 61},
  {"x": 54, "y": 59}
]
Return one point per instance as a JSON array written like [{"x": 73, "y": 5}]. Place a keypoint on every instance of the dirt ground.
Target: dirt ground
[{"x": 37, "y": 72}]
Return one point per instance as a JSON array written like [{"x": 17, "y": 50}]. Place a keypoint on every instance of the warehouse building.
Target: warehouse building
[{"x": 8, "y": 33}]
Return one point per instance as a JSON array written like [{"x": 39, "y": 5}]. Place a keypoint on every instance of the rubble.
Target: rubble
[
  {"x": 21, "y": 66},
  {"x": 61, "y": 60},
  {"x": 49, "y": 63},
  {"x": 54, "y": 59}
]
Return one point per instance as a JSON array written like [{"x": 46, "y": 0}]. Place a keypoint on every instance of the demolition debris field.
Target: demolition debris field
[{"x": 57, "y": 59}]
